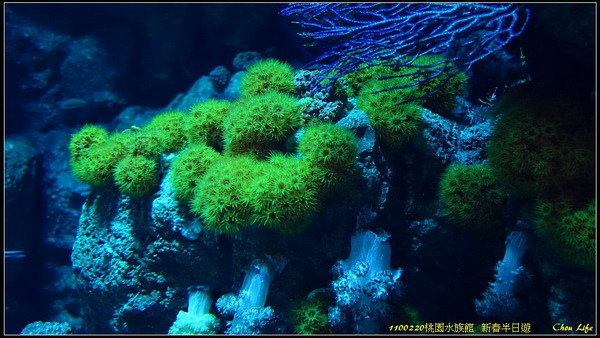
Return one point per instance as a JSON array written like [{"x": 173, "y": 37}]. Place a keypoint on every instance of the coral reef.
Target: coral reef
[{"x": 249, "y": 185}]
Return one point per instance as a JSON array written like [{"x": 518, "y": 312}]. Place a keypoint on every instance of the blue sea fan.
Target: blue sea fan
[{"x": 362, "y": 35}]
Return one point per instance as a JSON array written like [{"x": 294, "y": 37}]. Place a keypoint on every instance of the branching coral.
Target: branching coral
[{"x": 395, "y": 35}]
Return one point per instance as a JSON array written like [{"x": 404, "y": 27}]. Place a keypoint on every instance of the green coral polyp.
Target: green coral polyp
[
  {"x": 571, "y": 231},
  {"x": 146, "y": 143},
  {"x": 188, "y": 167},
  {"x": 170, "y": 125},
  {"x": 310, "y": 317},
  {"x": 471, "y": 197},
  {"x": 86, "y": 138},
  {"x": 280, "y": 197},
  {"x": 331, "y": 153},
  {"x": 96, "y": 168},
  {"x": 136, "y": 176},
  {"x": 535, "y": 151},
  {"x": 251, "y": 182},
  {"x": 217, "y": 199},
  {"x": 578, "y": 233},
  {"x": 440, "y": 92},
  {"x": 241, "y": 191},
  {"x": 204, "y": 123},
  {"x": 268, "y": 75},
  {"x": 254, "y": 125},
  {"x": 395, "y": 121}
]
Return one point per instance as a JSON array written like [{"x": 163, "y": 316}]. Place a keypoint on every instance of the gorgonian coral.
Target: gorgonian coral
[{"x": 363, "y": 35}]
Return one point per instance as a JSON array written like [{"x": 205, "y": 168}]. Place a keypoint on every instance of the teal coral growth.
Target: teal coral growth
[{"x": 190, "y": 324}]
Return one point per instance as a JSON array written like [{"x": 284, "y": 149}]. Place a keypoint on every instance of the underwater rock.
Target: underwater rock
[
  {"x": 61, "y": 79},
  {"x": 132, "y": 116},
  {"x": 86, "y": 74},
  {"x": 47, "y": 328},
  {"x": 571, "y": 299},
  {"x": 63, "y": 297},
  {"x": 219, "y": 77},
  {"x": 455, "y": 142},
  {"x": 201, "y": 90},
  {"x": 375, "y": 171},
  {"x": 168, "y": 211},
  {"x": 243, "y": 60},
  {"x": 133, "y": 271},
  {"x": 500, "y": 300},
  {"x": 232, "y": 91},
  {"x": 20, "y": 186},
  {"x": 320, "y": 106},
  {"x": 66, "y": 193}
]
